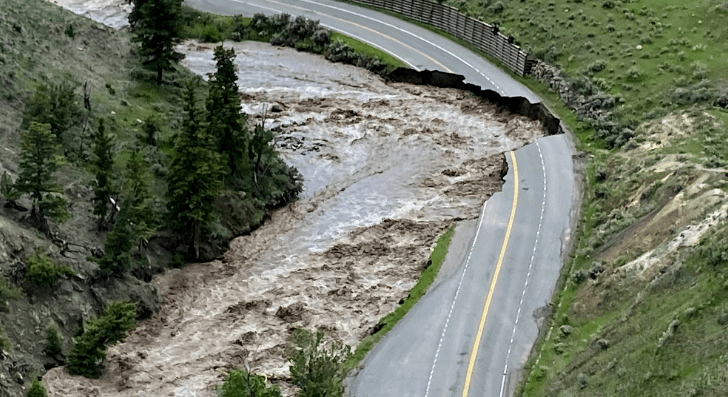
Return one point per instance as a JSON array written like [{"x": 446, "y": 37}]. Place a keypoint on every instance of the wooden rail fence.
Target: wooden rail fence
[{"x": 481, "y": 35}]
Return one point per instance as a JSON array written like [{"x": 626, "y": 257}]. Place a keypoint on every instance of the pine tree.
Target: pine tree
[
  {"x": 136, "y": 196},
  {"x": 103, "y": 162},
  {"x": 194, "y": 178},
  {"x": 54, "y": 104},
  {"x": 157, "y": 27},
  {"x": 136, "y": 221},
  {"x": 226, "y": 123},
  {"x": 90, "y": 348},
  {"x": 38, "y": 163},
  {"x": 117, "y": 247}
]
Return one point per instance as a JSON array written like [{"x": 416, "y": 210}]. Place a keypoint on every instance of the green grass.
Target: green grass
[{"x": 418, "y": 291}]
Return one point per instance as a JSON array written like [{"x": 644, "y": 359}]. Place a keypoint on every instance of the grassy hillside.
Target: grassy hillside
[
  {"x": 642, "y": 307},
  {"x": 642, "y": 304},
  {"x": 644, "y": 51},
  {"x": 41, "y": 43}
]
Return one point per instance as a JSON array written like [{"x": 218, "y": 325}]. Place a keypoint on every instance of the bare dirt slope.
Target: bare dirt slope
[{"x": 386, "y": 169}]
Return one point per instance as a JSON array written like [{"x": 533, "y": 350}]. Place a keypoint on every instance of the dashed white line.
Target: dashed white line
[
  {"x": 413, "y": 35},
  {"x": 452, "y": 306},
  {"x": 528, "y": 276}
]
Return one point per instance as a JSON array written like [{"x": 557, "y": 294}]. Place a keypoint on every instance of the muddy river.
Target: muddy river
[{"x": 387, "y": 167}]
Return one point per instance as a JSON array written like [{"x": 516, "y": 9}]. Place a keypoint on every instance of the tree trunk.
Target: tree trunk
[
  {"x": 159, "y": 74},
  {"x": 196, "y": 239}
]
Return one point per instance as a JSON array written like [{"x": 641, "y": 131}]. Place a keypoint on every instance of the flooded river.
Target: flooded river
[{"x": 387, "y": 167}]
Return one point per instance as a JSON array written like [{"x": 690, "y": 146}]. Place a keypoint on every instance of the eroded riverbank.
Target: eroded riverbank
[{"x": 386, "y": 168}]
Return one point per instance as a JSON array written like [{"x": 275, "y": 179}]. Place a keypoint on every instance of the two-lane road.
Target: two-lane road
[{"x": 474, "y": 330}]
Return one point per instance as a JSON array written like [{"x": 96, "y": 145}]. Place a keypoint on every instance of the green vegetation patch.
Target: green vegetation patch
[
  {"x": 283, "y": 30},
  {"x": 418, "y": 291}
]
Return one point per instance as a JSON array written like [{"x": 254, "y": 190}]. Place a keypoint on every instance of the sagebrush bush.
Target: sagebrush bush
[
  {"x": 700, "y": 92},
  {"x": 634, "y": 73},
  {"x": 579, "y": 276},
  {"x": 597, "y": 66},
  {"x": 496, "y": 8}
]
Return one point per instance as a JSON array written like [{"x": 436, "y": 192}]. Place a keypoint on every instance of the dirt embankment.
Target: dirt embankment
[{"x": 386, "y": 169}]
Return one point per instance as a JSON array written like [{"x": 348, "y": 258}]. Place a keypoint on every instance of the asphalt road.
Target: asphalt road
[{"x": 475, "y": 330}]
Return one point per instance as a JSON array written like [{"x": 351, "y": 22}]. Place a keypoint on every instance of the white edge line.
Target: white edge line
[
  {"x": 457, "y": 292},
  {"x": 342, "y": 32},
  {"x": 413, "y": 35}
]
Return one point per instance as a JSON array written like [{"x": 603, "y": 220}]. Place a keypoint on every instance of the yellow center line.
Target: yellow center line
[
  {"x": 476, "y": 344},
  {"x": 445, "y": 68}
]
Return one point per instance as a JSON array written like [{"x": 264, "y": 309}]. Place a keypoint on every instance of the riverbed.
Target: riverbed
[{"x": 387, "y": 168}]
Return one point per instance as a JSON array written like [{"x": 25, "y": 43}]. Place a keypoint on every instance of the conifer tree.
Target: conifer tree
[
  {"x": 103, "y": 163},
  {"x": 195, "y": 174},
  {"x": 136, "y": 221},
  {"x": 225, "y": 121},
  {"x": 157, "y": 27},
  {"x": 38, "y": 163},
  {"x": 90, "y": 348},
  {"x": 54, "y": 104}
]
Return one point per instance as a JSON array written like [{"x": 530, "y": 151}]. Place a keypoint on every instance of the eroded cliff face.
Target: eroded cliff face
[{"x": 387, "y": 167}]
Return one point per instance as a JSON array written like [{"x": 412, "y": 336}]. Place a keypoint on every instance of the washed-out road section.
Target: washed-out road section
[{"x": 430, "y": 352}]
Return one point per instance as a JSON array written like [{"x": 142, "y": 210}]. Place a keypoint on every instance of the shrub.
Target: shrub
[
  {"x": 316, "y": 370},
  {"x": 721, "y": 101},
  {"x": 634, "y": 73},
  {"x": 43, "y": 272},
  {"x": 242, "y": 384},
  {"x": 496, "y": 8},
  {"x": 297, "y": 30},
  {"x": 608, "y": 4},
  {"x": 90, "y": 349},
  {"x": 582, "y": 379},
  {"x": 211, "y": 34},
  {"x": 70, "y": 32},
  {"x": 37, "y": 389},
  {"x": 54, "y": 344},
  {"x": 5, "y": 342},
  {"x": 579, "y": 276},
  {"x": 597, "y": 66},
  {"x": 7, "y": 292},
  {"x": 7, "y": 188},
  {"x": 703, "y": 91}
]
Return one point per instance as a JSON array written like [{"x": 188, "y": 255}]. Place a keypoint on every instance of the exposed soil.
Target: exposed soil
[
  {"x": 113, "y": 13},
  {"x": 386, "y": 167}
]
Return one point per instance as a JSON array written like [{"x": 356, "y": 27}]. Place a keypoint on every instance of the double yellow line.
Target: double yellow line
[{"x": 489, "y": 299}]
